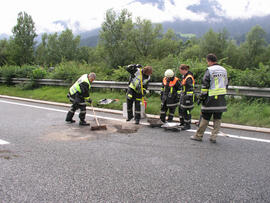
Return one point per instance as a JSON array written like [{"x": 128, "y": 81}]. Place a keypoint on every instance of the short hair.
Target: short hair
[
  {"x": 147, "y": 70},
  {"x": 92, "y": 75},
  {"x": 184, "y": 67},
  {"x": 211, "y": 57}
]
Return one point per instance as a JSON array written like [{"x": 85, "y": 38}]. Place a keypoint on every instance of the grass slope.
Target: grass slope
[{"x": 253, "y": 113}]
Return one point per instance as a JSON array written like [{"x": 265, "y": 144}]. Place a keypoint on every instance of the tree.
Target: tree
[
  {"x": 23, "y": 36},
  {"x": 213, "y": 42},
  {"x": 255, "y": 42},
  {"x": 42, "y": 52},
  {"x": 3, "y": 52},
  {"x": 144, "y": 36},
  {"x": 53, "y": 48},
  {"x": 168, "y": 44},
  {"x": 113, "y": 44},
  {"x": 68, "y": 45}
]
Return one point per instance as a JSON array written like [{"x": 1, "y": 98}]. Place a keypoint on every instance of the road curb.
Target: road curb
[{"x": 223, "y": 125}]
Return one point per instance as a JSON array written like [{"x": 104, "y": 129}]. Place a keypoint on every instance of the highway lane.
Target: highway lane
[{"x": 47, "y": 160}]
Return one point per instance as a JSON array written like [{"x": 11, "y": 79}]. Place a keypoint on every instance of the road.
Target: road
[{"x": 43, "y": 159}]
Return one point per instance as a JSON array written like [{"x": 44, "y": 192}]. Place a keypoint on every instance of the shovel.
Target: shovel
[{"x": 98, "y": 127}]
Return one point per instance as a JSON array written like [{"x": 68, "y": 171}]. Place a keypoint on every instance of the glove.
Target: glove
[
  {"x": 201, "y": 98},
  {"x": 89, "y": 101}
]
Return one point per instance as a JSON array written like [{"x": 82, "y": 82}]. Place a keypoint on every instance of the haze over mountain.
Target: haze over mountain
[{"x": 183, "y": 16}]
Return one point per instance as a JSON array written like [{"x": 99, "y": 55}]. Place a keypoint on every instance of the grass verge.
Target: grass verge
[{"x": 243, "y": 112}]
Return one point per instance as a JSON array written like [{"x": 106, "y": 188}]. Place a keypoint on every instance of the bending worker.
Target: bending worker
[
  {"x": 214, "y": 85},
  {"x": 187, "y": 97},
  {"x": 78, "y": 94},
  {"x": 169, "y": 95},
  {"x": 135, "y": 92}
]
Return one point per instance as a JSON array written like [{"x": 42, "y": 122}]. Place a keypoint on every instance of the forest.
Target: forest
[{"x": 124, "y": 41}]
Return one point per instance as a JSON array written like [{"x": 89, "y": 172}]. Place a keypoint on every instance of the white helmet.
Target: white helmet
[{"x": 169, "y": 73}]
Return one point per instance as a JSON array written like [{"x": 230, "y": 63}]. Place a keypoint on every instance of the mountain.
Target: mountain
[
  {"x": 237, "y": 29},
  {"x": 4, "y": 36}
]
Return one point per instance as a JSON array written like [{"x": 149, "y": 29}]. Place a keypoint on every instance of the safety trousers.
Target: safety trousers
[
  {"x": 184, "y": 115},
  {"x": 75, "y": 106},
  {"x": 137, "y": 108},
  {"x": 163, "y": 112}
]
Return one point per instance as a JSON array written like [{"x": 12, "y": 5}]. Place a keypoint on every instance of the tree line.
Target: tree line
[{"x": 123, "y": 40}]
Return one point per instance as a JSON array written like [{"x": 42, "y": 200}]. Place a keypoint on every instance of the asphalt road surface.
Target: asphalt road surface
[{"x": 43, "y": 159}]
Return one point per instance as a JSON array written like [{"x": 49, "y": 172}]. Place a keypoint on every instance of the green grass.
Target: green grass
[{"x": 254, "y": 113}]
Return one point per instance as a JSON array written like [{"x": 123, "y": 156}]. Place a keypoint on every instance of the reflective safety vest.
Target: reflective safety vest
[
  {"x": 183, "y": 83},
  {"x": 135, "y": 83},
  {"x": 218, "y": 80},
  {"x": 172, "y": 83},
  {"x": 76, "y": 86}
]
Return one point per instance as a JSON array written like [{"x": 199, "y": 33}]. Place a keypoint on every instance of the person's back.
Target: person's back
[{"x": 214, "y": 85}]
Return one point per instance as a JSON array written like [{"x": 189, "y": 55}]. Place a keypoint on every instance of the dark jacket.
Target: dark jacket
[
  {"x": 187, "y": 93},
  {"x": 136, "y": 91},
  {"x": 216, "y": 103},
  {"x": 170, "y": 91}
]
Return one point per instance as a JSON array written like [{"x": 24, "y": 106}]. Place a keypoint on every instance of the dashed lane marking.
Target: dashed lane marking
[
  {"x": 2, "y": 142},
  {"x": 122, "y": 120}
]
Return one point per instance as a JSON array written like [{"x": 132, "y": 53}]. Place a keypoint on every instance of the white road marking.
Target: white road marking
[
  {"x": 236, "y": 136},
  {"x": 122, "y": 120},
  {"x": 3, "y": 142}
]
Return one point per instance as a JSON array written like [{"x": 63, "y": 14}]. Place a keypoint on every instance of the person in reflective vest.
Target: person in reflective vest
[
  {"x": 169, "y": 95},
  {"x": 213, "y": 91},
  {"x": 138, "y": 76},
  {"x": 78, "y": 94},
  {"x": 187, "y": 97}
]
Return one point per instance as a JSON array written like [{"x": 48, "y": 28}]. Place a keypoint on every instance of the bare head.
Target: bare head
[
  {"x": 147, "y": 70},
  {"x": 91, "y": 76},
  {"x": 183, "y": 69},
  {"x": 211, "y": 59}
]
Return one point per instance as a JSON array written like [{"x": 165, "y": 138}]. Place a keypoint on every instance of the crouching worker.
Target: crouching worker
[
  {"x": 135, "y": 92},
  {"x": 78, "y": 94},
  {"x": 169, "y": 95},
  {"x": 187, "y": 97}
]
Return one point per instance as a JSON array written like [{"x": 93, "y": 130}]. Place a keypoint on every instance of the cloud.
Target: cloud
[{"x": 83, "y": 15}]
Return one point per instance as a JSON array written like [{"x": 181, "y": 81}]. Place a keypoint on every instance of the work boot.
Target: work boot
[
  {"x": 216, "y": 128},
  {"x": 200, "y": 131},
  {"x": 196, "y": 138},
  {"x": 137, "y": 121},
  {"x": 182, "y": 125},
  {"x": 84, "y": 123},
  {"x": 129, "y": 118},
  {"x": 70, "y": 121},
  {"x": 186, "y": 126},
  {"x": 69, "y": 117}
]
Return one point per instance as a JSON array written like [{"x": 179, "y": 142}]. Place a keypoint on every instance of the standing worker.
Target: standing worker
[
  {"x": 169, "y": 95},
  {"x": 136, "y": 92},
  {"x": 78, "y": 94},
  {"x": 214, "y": 85},
  {"x": 187, "y": 97}
]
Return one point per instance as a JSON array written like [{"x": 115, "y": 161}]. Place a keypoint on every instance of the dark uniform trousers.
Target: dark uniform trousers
[
  {"x": 77, "y": 103},
  {"x": 164, "y": 108},
  {"x": 132, "y": 97}
]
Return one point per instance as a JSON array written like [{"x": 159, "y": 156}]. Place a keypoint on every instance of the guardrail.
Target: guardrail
[{"x": 153, "y": 86}]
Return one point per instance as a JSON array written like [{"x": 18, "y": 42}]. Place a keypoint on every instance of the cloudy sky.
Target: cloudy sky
[{"x": 89, "y": 14}]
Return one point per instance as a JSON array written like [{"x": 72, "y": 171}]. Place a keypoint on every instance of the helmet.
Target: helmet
[{"x": 169, "y": 73}]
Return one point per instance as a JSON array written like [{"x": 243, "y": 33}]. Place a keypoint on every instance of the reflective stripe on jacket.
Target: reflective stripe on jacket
[
  {"x": 76, "y": 86},
  {"x": 135, "y": 83},
  {"x": 218, "y": 80}
]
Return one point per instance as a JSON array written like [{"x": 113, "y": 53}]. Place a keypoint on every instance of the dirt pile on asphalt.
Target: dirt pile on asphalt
[{"x": 66, "y": 132}]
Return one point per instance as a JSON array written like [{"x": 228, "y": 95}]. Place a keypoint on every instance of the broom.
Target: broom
[{"x": 98, "y": 127}]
